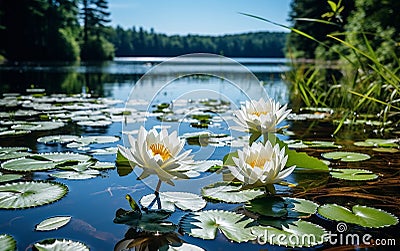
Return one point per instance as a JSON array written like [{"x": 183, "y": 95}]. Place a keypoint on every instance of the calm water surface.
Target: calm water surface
[{"x": 92, "y": 203}]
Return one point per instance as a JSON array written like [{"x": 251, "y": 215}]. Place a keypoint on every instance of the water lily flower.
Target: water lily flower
[
  {"x": 260, "y": 164},
  {"x": 158, "y": 153},
  {"x": 260, "y": 116}
]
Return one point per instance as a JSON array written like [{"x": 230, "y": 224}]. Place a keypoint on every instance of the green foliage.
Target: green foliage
[
  {"x": 139, "y": 42},
  {"x": 97, "y": 49},
  {"x": 66, "y": 47},
  {"x": 360, "y": 215}
]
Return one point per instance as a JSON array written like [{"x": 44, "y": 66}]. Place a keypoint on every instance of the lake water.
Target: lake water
[{"x": 142, "y": 84}]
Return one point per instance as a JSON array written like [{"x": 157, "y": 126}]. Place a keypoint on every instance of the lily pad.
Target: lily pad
[
  {"x": 297, "y": 234},
  {"x": 40, "y": 162},
  {"x": 72, "y": 175},
  {"x": 7, "y": 153},
  {"x": 321, "y": 144},
  {"x": 38, "y": 126},
  {"x": 168, "y": 200},
  {"x": 206, "y": 223},
  {"x": 378, "y": 143},
  {"x": 14, "y": 133},
  {"x": 230, "y": 192},
  {"x": 65, "y": 245},
  {"x": 386, "y": 150},
  {"x": 62, "y": 139},
  {"x": 7, "y": 242},
  {"x": 53, "y": 223},
  {"x": 9, "y": 177},
  {"x": 85, "y": 141},
  {"x": 103, "y": 165},
  {"x": 273, "y": 206},
  {"x": 346, "y": 156},
  {"x": 151, "y": 221},
  {"x": 28, "y": 165},
  {"x": 353, "y": 174},
  {"x": 360, "y": 215},
  {"x": 30, "y": 194}
]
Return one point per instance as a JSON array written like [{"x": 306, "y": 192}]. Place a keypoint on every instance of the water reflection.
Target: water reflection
[{"x": 94, "y": 77}]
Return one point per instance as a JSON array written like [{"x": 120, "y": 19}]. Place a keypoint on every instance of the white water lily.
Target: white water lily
[
  {"x": 261, "y": 164},
  {"x": 158, "y": 153},
  {"x": 260, "y": 116}
]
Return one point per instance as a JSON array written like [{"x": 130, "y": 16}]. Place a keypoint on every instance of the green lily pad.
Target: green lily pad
[
  {"x": 65, "y": 245},
  {"x": 378, "y": 143},
  {"x": 60, "y": 157},
  {"x": 53, "y": 223},
  {"x": 297, "y": 234},
  {"x": 353, "y": 174},
  {"x": 9, "y": 177},
  {"x": 182, "y": 247},
  {"x": 321, "y": 144},
  {"x": 28, "y": 165},
  {"x": 360, "y": 215},
  {"x": 230, "y": 192},
  {"x": 20, "y": 195},
  {"x": 151, "y": 221},
  {"x": 274, "y": 206},
  {"x": 386, "y": 150},
  {"x": 85, "y": 141},
  {"x": 46, "y": 161},
  {"x": 72, "y": 175},
  {"x": 7, "y": 243},
  {"x": 103, "y": 165},
  {"x": 7, "y": 153},
  {"x": 9, "y": 133},
  {"x": 38, "y": 126},
  {"x": 62, "y": 139},
  {"x": 346, "y": 156},
  {"x": 168, "y": 201},
  {"x": 205, "y": 224}
]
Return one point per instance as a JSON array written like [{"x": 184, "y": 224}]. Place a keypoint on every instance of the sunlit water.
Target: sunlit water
[{"x": 92, "y": 203}]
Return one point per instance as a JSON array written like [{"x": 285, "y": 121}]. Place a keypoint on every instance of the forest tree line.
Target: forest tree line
[
  {"x": 132, "y": 42},
  {"x": 71, "y": 30}
]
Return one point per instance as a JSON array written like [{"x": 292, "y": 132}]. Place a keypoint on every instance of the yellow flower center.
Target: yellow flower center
[
  {"x": 161, "y": 150},
  {"x": 258, "y": 162},
  {"x": 258, "y": 114}
]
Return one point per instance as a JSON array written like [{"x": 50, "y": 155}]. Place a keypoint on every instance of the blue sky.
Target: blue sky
[{"x": 205, "y": 17}]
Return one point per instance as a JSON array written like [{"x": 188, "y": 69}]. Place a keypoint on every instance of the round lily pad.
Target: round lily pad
[
  {"x": 62, "y": 139},
  {"x": 20, "y": 195},
  {"x": 231, "y": 193},
  {"x": 7, "y": 242},
  {"x": 28, "y": 165},
  {"x": 169, "y": 200},
  {"x": 9, "y": 177},
  {"x": 360, "y": 215},
  {"x": 205, "y": 225},
  {"x": 291, "y": 235},
  {"x": 274, "y": 206},
  {"x": 65, "y": 245},
  {"x": 353, "y": 174},
  {"x": 346, "y": 156},
  {"x": 377, "y": 143}
]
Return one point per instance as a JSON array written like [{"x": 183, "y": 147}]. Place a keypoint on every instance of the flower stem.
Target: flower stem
[
  {"x": 265, "y": 138},
  {"x": 157, "y": 191},
  {"x": 270, "y": 188}
]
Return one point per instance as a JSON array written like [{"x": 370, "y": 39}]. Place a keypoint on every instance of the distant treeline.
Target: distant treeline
[
  {"x": 71, "y": 30},
  {"x": 133, "y": 42}
]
